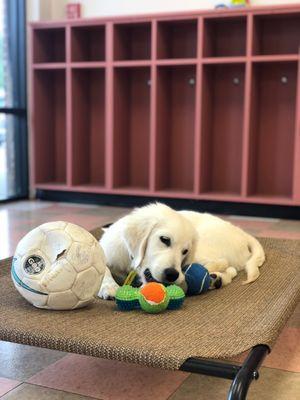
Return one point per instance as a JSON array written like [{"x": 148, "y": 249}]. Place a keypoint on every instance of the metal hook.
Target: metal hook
[
  {"x": 284, "y": 79},
  {"x": 236, "y": 81},
  {"x": 192, "y": 81}
]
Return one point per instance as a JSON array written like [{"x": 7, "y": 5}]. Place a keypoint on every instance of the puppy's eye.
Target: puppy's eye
[
  {"x": 184, "y": 252},
  {"x": 165, "y": 240}
]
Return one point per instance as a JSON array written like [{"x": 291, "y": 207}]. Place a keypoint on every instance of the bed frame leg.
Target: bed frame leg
[{"x": 248, "y": 371}]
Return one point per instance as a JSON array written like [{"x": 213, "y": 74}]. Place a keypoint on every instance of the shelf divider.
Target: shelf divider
[
  {"x": 69, "y": 136},
  {"x": 198, "y": 108},
  {"x": 296, "y": 177},
  {"x": 109, "y": 89},
  {"x": 88, "y": 64},
  {"x": 177, "y": 61},
  {"x": 275, "y": 58},
  {"x": 132, "y": 63},
  {"x": 153, "y": 99},
  {"x": 247, "y": 106},
  {"x": 224, "y": 60},
  {"x": 56, "y": 65}
]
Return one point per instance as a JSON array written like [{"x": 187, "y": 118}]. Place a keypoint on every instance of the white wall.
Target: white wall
[
  {"x": 92, "y": 8},
  {"x": 45, "y": 9},
  {"x": 55, "y": 9}
]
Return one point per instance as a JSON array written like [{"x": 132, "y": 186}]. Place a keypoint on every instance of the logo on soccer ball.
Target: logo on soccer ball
[{"x": 34, "y": 265}]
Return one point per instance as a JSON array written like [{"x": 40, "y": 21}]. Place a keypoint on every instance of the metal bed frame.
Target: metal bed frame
[{"x": 241, "y": 375}]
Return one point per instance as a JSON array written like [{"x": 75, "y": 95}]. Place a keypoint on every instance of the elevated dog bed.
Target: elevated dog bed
[{"x": 218, "y": 325}]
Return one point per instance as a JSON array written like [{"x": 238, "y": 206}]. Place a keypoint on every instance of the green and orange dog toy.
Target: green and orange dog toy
[
  {"x": 151, "y": 298},
  {"x": 154, "y": 297}
]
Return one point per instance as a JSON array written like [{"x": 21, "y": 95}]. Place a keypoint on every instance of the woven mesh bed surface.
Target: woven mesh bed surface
[{"x": 219, "y": 324}]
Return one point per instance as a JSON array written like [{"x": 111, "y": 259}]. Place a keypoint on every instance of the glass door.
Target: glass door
[{"x": 13, "y": 126}]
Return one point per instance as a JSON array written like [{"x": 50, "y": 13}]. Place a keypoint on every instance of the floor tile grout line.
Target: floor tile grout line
[
  {"x": 47, "y": 366},
  {"x": 64, "y": 391},
  {"x": 10, "y": 390},
  {"x": 188, "y": 375},
  {"x": 282, "y": 370}
]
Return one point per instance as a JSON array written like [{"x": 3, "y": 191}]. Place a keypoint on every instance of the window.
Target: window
[{"x": 13, "y": 132}]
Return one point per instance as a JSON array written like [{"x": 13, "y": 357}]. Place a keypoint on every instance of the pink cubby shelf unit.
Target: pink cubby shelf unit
[{"x": 201, "y": 105}]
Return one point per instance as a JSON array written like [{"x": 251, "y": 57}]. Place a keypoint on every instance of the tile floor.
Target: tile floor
[{"x": 28, "y": 373}]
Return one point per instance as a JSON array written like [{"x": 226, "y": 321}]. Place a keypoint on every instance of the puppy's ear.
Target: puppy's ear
[{"x": 135, "y": 235}]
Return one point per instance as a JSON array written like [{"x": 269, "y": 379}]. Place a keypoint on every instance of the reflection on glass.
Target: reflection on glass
[
  {"x": 7, "y": 156},
  {"x": 9, "y": 124},
  {"x": 6, "y": 84}
]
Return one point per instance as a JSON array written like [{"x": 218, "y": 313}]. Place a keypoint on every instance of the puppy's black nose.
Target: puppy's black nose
[{"x": 171, "y": 274}]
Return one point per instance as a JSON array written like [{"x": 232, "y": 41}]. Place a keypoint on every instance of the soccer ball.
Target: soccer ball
[{"x": 58, "y": 266}]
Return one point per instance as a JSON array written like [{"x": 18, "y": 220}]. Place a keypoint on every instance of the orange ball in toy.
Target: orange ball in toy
[{"x": 153, "y": 297}]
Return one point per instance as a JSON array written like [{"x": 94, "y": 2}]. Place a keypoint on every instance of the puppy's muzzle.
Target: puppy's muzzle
[{"x": 171, "y": 274}]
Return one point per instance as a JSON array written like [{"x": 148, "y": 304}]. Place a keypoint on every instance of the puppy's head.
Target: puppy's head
[{"x": 159, "y": 241}]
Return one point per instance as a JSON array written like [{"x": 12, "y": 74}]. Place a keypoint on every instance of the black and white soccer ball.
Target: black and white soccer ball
[{"x": 58, "y": 266}]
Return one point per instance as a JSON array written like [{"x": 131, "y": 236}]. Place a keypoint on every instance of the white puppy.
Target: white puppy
[{"x": 157, "y": 241}]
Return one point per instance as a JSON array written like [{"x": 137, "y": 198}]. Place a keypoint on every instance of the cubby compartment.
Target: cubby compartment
[
  {"x": 49, "y": 45},
  {"x": 177, "y": 39},
  {"x": 88, "y": 43},
  {"x": 88, "y": 126},
  {"x": 49, "y": 90},
  {"x": 132, "y": 41},
  {"x": 225, "y": 37},
  {"x": 175, "y": 128},
  {"x": 272, "y": 133},
  {"x": 222, "y": 128},
  {"x": 276, "y": 34},
  {"x": 131, "y": 119}
]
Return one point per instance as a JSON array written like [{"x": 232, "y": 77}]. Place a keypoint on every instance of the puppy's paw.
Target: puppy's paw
[
  {"x": 108, "y": 292},
  {"x": 221, "y": 279},
  {"x": 215, "y": 280}
]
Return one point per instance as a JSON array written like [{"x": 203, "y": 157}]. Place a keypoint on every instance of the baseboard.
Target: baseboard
[{"x": 220, "y": 207}]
